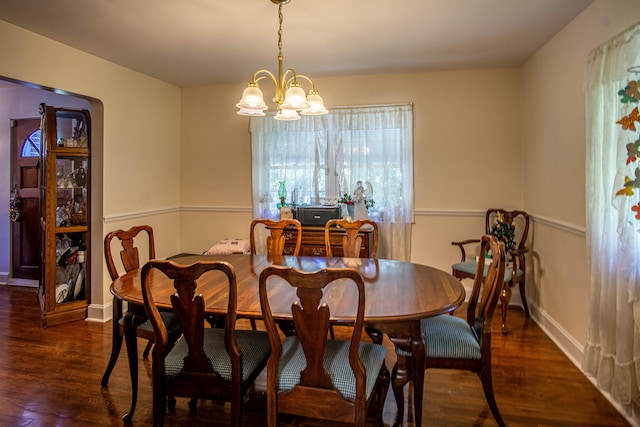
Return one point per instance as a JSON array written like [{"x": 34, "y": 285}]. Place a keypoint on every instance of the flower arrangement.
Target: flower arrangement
[
  {"x": 348, "y": 200},
  {"x": 505, "y": 232}
]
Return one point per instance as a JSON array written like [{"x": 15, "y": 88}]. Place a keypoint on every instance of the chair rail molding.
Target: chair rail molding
[
  {"x": 560, "y": 225},
  {"x": 538, "y": 219},
  {"x": 449, "y": 212},
  {"x": 224, "y": 209},
  {"x": 139, "y": 214}
]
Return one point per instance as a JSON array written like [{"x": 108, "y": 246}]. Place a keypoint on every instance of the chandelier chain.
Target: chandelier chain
[{"x": 280, "y": 17}]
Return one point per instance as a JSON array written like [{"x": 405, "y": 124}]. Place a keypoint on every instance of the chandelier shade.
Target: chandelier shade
[
  {"x": 286, "y": 114},
  {"x": 290, "y": 97},
  {"x": 316, "y": 106},
  {"x": 252, "y": 99}
]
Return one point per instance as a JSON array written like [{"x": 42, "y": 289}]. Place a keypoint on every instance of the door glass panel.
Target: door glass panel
[{"x": 31, "y": 145}]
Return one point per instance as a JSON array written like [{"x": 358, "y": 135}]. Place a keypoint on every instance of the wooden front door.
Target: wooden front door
[{"x": 26, "y": 232}]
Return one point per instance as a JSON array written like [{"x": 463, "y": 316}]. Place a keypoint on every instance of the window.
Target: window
[
  {"x": 613, "y": 221},
  {"x": 31, "y": 145},
  {"x": 322, "y": 157}
]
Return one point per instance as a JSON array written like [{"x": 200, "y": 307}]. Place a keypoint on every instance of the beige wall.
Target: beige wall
[
  {"x": 136, "y": 140},
  {"x": 553, "y": 167},
  {"x": 464, "y": 120}
]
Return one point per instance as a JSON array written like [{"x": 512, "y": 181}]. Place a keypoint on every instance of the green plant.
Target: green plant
[{"x": 505, "y": 232}]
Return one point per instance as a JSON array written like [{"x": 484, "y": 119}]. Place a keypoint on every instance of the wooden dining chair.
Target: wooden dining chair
[
  {"x": 516, "y": 270},
  {"x": 452, "y": 342},
  {"x": 130, "y": 260},
  {"x": 308, "y": 374},
  {"x": 277, "y": 236},
  {"x": 352, "y": 248},
  {"x": 209, "y": 363},
  {"x": 352, "y": 240},
  {"x": 275, "y": 247}
]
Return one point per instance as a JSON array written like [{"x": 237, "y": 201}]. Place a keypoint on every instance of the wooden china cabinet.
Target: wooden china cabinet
[{"x": 64, "y": 287}]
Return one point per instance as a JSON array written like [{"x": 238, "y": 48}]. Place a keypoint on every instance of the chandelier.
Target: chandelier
[{"x": 290, "y": 97}]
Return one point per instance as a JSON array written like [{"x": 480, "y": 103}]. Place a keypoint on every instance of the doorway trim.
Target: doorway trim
[{"x": 100, "y": 308}]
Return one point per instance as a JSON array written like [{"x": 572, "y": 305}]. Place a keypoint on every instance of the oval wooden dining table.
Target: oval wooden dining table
[{"x": 398, "y": 294}]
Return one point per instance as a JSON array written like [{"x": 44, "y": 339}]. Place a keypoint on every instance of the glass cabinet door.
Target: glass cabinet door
[
  {"x": 66, "y": 215},
  {"x": 71, "y": 190}
]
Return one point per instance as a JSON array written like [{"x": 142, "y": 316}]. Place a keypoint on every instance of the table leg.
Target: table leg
[
  {"x": 409, "y": 368},
  {"x": 399, "y": 378},
  {"x": 132, "y": 353},
  {"x": 417, "y": 349}
]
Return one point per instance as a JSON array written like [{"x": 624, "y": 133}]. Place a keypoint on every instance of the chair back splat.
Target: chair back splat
[
  {"x": 308, "y": 374},
  {"x": 209, "y": 363},
  {"x": 277, "y": 235},
  {"x": 352, "y": 240}
]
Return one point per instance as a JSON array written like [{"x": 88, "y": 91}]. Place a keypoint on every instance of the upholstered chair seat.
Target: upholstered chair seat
[
  {"x": 254, "y": 346},
  {"x": 336, "y": 363}
]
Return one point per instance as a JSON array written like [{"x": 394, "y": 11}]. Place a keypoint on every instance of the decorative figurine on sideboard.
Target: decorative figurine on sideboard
[{"x": 358, "y": 204}]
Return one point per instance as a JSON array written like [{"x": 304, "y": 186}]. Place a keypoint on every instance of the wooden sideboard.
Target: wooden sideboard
[{"x": 313, "y": 241}]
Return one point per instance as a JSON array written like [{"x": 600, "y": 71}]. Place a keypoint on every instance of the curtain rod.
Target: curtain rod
[{"x": 341, "y": 107}]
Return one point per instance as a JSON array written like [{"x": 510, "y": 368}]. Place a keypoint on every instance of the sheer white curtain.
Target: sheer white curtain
[
  {"x": 289, "y": 151},
  {"x": 324, "y": 156},
  {"x": 612, "y": 350},
  {"x": 375, "y": 144}
]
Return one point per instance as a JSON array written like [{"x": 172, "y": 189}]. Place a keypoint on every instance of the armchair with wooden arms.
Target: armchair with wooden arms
[
  {"x": 515, "y": 272},
  {"x": 308, "y": 374}
]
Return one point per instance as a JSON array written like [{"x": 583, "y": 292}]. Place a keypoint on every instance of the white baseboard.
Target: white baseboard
[{"x": 101, "y": 313}]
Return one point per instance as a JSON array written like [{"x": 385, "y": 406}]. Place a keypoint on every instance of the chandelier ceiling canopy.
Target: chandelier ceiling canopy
[{"x": 290, "y": 97}]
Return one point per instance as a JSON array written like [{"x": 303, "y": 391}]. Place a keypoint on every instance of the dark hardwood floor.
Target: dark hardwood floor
[{"x": 51, "y": 377}]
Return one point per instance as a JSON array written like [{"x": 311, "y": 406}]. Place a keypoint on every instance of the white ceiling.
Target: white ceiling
[{"x": 199, "y": 42}]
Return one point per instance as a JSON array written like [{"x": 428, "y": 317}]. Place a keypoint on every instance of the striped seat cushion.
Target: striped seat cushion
[
  {"x": 336, "y": 363},
  {"x": 448, "y": 337},
  {"x": 469, "y": 267},
  {"x": 254, "y": 346}
]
